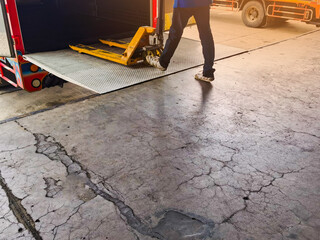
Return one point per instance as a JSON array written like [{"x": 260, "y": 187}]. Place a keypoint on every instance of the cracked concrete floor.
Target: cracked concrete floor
[{"x": 175, "y": 158}]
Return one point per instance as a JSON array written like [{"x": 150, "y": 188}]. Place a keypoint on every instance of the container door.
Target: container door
[{"x": 6, "y": 44}]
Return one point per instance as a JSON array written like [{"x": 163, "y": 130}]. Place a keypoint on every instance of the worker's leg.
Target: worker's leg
[
  {"x": 179, "y": 21},
  {"x": 202, "y": 17}
]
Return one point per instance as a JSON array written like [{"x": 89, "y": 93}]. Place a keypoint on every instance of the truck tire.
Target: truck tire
[{"x": 253, "y": 14}]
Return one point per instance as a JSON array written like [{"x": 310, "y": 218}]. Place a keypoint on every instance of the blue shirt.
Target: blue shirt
[{"x": 191, "y": 3}]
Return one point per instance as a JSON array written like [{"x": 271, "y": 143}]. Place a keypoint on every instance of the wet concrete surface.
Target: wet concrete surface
[{"x": 175, "y": 158}]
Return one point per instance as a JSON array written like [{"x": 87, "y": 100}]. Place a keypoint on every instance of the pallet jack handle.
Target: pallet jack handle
[{"x": 160, "y": 21}]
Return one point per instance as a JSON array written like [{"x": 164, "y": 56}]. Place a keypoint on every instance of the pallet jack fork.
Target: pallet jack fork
[{"x": 146, "y": 41}]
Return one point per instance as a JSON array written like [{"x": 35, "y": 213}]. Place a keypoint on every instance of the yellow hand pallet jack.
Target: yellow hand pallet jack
[{"x": 146, "y": 41}]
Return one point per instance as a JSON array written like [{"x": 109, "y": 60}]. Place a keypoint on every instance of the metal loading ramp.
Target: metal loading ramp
[{"x": 103, "y": 76}]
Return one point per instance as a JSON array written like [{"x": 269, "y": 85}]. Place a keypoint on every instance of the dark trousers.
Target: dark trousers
[{"x": 179, "y": 21}]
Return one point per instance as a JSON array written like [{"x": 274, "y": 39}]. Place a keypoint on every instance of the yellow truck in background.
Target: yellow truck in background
[{"x": 256, "y": 13}]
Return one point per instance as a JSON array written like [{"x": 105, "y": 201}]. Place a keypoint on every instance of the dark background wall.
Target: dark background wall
[{"x": 54, "y": 24}]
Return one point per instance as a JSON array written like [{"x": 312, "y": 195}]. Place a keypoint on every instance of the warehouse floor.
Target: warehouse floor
[
  {"x": 228, "y": 31},
  {"x": 174, "y": 158}
]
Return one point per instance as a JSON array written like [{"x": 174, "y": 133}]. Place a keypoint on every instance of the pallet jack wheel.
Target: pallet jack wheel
[
  {"x": 156, "y": 52},
  {"x": 153, "y": 53}
]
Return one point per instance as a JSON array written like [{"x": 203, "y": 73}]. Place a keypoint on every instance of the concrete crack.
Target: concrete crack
[
  {"x": 55, "y": 229},
  {"x": 12, "y": 150},
  {"x": 53, "y": 187},
  {"x": 305, "y": 133},
  {"x": 53, "y": 150},
  {"x": 228, "y": 219},
  {"x": 126, "y": 211},
  {"x": 19, "y": 211},
  {"x": 247, "y": 197},
  {"x": 193, "y": 177}
]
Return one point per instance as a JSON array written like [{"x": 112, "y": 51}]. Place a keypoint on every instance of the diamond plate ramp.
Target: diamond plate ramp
[{"x": 104, "y": 76}]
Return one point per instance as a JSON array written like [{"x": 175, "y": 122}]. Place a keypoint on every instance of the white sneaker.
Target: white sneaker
[
  {"x": 154, "y": 62},
  {"x": 199, "y": 76}
]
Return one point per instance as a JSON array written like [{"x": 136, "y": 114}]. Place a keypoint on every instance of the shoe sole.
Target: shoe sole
[
  {"x": 203, "y": 80},
  {"x": 152, "y": 65}
]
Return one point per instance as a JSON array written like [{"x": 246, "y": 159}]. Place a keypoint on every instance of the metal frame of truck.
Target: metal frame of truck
[
  {"x": 256, "y": 12},
  {"x": 14, "y": 69}
]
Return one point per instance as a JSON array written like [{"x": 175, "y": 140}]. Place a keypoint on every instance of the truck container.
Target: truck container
[{"x": 35, "y": 26}]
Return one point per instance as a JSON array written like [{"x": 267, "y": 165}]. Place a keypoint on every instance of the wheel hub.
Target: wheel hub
[{"x": 252, "y": 14}]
